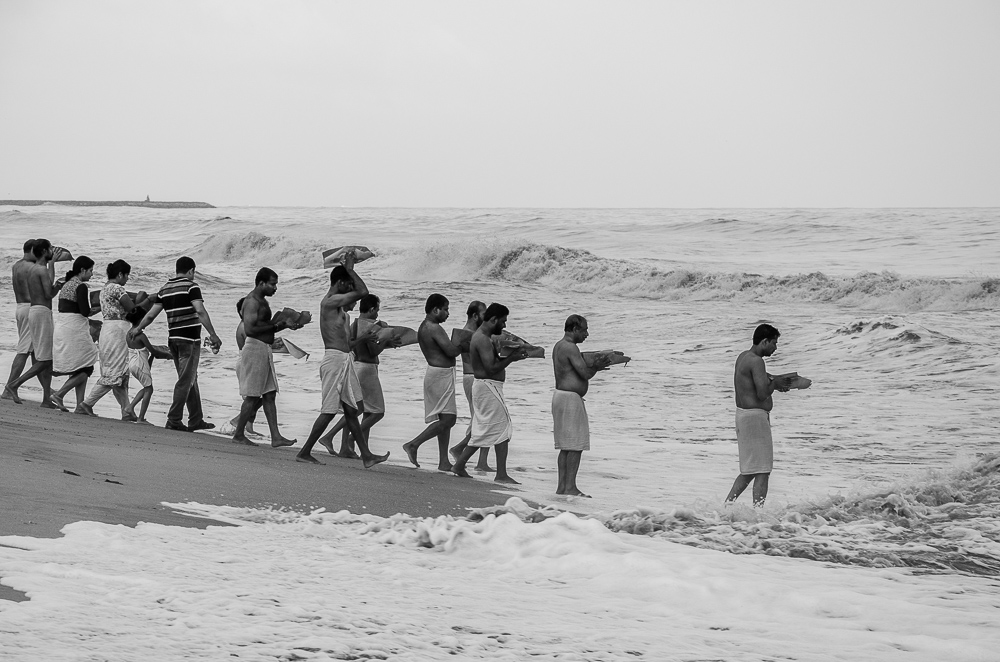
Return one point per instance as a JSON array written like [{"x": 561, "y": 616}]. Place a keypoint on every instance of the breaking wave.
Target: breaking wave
[{"x": 568, "y": 269}]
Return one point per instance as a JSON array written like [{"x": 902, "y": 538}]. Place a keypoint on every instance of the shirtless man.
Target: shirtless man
[
  {"x": 569, "y": 415},
  {"x": 40, "y": 281},
  {"x": 366, "y": 349},
  {"x": 474, "y": 319},
  {"x": 754, "y": 387},
  {"x": 258, "y": 380},
  {"x": 341, "y": 389},
  {"x": 491, "y": 424},
  {"x": 19, "y": 281},
  {"x": 439, "y": 381}
]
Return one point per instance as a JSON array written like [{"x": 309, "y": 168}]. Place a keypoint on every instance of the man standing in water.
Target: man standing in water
[
  {"x": 341, "y": 388},
  {"x": 754, "y": 387},
  {"x": 39, "y": 279},
  {"x": 258, "y": 381},
  {"x": 440, "y": 410},
  {"x": 186, "y": 313},
  {"x": 491, "y": 424},
  {"x": 569, "y": 415},
  {"x": 474, "y": 319}
]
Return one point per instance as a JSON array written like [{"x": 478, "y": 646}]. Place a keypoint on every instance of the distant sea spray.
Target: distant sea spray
[{"x": 498, "y": 258}]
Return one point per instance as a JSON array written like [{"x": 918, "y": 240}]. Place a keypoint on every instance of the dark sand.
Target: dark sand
[{"x": 122, "y": 472}]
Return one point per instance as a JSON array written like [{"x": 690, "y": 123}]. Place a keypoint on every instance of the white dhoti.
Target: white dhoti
[
  {"x": 491, "y": 422},
  {"x": 114, "y": 352},
  {"x": 255, "y": 369},
  {"x": 72, "y": 347},
  {"x": 439, "y": 393},
  {"x": 41, "y": 328},
  {"x": 138, "y": 366},
  {"x": 753, "y": 434},
  {"x": 467, "y": 380},
  {"x": 340, "y": 382},
  {"x": 570, "y": 426},
  {"x": 371, "y": 387},
  {"x": 23, "y": 328}
]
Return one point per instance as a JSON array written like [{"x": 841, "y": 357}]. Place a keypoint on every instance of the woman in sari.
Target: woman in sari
[
  {"x": 116, "y": 304},
  {"x": 73, "y": 350}
]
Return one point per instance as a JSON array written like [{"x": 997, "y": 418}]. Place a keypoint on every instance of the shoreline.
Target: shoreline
[{"x": 57, "y": 468}]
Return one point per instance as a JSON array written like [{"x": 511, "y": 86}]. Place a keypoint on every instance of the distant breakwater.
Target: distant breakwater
[{"x": 109, "y": 203}]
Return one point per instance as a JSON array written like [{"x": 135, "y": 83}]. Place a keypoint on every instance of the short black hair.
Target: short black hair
[
  {"x": 118, "y": 267},
  {"x": 765, "y": 332},
  {"x": 435, "y": 301},
  {"x": 476, "y": 307},
  {"x": 338, "y": 274},
  {"x": 368, "y": 302},
  {"x": 28, "y": 245},
  {"x": 574, "y": 322},
  {"x": 135, "y": 315},
  {"x": 264, "y": 275},
  {"x": 495, "y": 310},
  {"x": 185, "y": 264},
  {"x": 41, "y": 245},
  {"x": 239, "y": 306}
]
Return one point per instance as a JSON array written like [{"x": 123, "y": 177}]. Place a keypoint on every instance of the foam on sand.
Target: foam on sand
[{"x": 322, "y": 586}]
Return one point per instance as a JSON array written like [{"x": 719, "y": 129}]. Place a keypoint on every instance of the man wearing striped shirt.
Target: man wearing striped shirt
[{"x": 186, "y": 314}]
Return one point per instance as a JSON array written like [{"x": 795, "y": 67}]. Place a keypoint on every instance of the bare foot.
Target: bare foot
[
  {"x": 444, "y": 466},
  {"x": 375, "y": 459},
  {"x": 309, "y": 459},
  {"x": 84, "y": 408},
  {"x": 58, "y": 402},
  {"x": 485, "y": 468},
  {"x": 129, "y": 416},
  {"x": 574, "y": 493},
  {"x": 48, "y": 405},
  {"x": 328, "y": 446},
  {"x": 281, "y": 441},
  {"x": 453, "y": 451},
  {"x": 506, "y": 480},
  {"x": 143, "y": 421},
  {"x": 10, "y": 394},
  {"x": 348, "y": 455},
  {"x": 241, "y": 439},
  {"x": 460, "y": 471},
  {"x": 411, "y": 454}
]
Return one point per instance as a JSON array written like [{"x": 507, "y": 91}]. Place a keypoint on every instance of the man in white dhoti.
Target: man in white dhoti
[
  {"x": 440, "y": 410},
  {"x": 255, "y": 369},
  {"x": 570, "y": 425},
  {"x": 19, "y": 282},
  {"x": 491, "y": 424},
  {"x": 341, "y": 388},
  {"x": 754, "y": 387}
]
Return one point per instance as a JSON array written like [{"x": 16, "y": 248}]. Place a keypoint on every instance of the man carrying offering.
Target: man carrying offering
[
  {"x": 569, "y": 415},
  {"x": 474, "y": 319},
  {"x": 754, "y": 387},
  {"x": 440, "y": 409},
  {"x": 341, "y": 388},
  {"x": 255, "y": 370},
  {"x": 491, "y": 424}
]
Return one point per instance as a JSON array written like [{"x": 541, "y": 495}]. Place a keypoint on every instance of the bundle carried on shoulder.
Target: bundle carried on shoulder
[
  {"x": 334, "y": 256},
  {"x": 60, "y": 254},
  {"x": 613, "y": 357},
  {"x": 507, "y": 343}
]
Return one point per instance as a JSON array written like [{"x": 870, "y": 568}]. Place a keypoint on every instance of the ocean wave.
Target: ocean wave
[
  {"x": 499, "y": 258},
  {"x": 943, "y": 521}
]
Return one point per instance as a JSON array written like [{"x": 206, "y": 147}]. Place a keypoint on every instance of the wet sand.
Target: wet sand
[{"x": 57, "y": 468}]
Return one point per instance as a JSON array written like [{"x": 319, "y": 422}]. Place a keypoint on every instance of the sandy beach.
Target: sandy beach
[{"x": 57, "y": 468}]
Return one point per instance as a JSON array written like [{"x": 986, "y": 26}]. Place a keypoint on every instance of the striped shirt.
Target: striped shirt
[{"x": 182, "y": 319}]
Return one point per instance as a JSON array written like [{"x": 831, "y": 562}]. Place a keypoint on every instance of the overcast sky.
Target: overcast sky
[{"x": 556, "y": 104}]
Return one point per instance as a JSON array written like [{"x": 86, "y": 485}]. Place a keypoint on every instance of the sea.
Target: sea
[{"x": 879, "y": 539}]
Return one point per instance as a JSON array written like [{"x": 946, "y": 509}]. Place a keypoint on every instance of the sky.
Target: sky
[{"x": 503, "y": 104}]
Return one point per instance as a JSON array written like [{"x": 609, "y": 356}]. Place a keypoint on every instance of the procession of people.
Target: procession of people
[{"x": 68, "y": 343}]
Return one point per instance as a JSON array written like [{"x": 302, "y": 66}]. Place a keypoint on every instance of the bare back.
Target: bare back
[
  {"x": 751, "y": 382},
  {"x": 571, "y": 371},
  {"x": 40, "y": 287},
  {"x": 19, "y": 274},
  {"x": 433, "y": 341}
]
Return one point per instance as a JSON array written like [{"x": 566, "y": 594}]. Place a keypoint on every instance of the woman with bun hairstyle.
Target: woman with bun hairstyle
[
  {"x": 116, "y": 304},
  {"x": 73, "y": 350}
]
